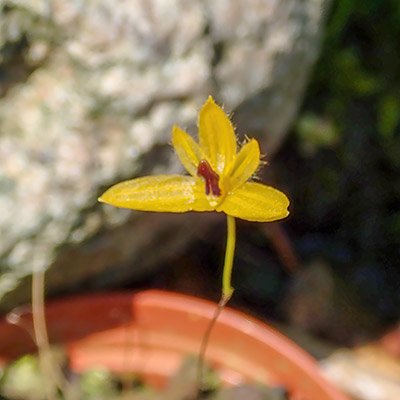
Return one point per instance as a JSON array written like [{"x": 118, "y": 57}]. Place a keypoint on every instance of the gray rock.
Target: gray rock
[{"x": 90, "y": 91}]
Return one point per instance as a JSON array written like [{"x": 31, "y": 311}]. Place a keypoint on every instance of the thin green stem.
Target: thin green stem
[
  {"x": 227, "y": 291},
  {"x": 40, "y": 331},
  {"x": 52, "y": 375}
]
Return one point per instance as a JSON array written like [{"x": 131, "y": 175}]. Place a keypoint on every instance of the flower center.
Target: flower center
[{"x": 211, "y": 177}]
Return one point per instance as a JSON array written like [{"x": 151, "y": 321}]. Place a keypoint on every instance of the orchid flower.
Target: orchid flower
[{"x": 219, "y": 180}]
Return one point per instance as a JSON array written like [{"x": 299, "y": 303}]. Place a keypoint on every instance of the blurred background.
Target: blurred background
[{"x": 89, "y": 93}]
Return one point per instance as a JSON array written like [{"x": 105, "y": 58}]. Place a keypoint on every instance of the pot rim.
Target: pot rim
[{"x": 178, "y": 315}]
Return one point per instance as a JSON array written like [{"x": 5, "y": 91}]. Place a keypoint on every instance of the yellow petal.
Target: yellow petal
[
  {"x": 246, "y": 163},
  {"x": 256, "y": 202},
  {"x": 162, "y": 193},
  {"x": 217, "y": 137},
  {"x": 187, "y": 149}
]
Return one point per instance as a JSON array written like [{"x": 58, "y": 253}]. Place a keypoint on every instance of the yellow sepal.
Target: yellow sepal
[
  {"x": 256, "y": 202},
  {"x": 161, "y": 193},
  {"x": 187, "y": 150},
  {"x": 246, "y": 164},
  {"x": 217, "y": 137}
]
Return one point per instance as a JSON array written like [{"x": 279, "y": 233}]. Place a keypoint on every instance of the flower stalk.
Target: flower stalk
[{"x": 227, "y": 289}]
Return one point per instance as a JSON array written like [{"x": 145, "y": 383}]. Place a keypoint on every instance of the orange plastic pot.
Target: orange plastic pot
[{"x": 149, "y": 333}]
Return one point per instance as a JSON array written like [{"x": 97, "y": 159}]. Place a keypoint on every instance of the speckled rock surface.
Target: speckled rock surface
[{"x": 90, "y": 91}]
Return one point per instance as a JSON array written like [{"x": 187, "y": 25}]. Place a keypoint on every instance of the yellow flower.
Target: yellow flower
[{"x": 219, "y": 177}]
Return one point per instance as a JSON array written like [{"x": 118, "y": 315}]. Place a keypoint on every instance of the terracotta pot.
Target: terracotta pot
[{"x": 150, "y": 332}]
